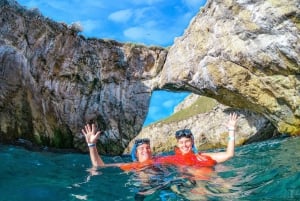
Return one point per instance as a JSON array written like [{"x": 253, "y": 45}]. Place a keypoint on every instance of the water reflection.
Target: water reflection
[
  {"x": 159, "y": 182},
  {"x": 260, "y": 171}
]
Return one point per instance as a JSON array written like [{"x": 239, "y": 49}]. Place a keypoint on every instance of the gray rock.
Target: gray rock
[
  {"x": 245, "y": 54},
  {"x": 53, "y": 81}
]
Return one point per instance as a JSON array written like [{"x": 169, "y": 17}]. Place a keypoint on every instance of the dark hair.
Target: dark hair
[
  {"x": 183, "y": 133},
  {"x": 188, "y": 134}
]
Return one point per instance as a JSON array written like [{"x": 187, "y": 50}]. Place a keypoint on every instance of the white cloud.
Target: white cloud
[
  {"x": 150, "y": 24},
  {"x": 169, "y": 104},
  {"x": 145, "y": 14},
  {"x": 59, "y": 5},
  {"x": 90, "y": 25},
  {"x": 150, "y": 36},
  {"x": 121, "y": 16},
  {"x": 135, "y": 33},
  {"x": 155, "y": 112}
]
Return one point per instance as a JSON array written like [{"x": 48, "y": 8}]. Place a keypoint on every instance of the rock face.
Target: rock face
[
  {"x": 53, "y": 81},
  {"x": 245, "y": 54},
  {"x": 207, "y": 126}
]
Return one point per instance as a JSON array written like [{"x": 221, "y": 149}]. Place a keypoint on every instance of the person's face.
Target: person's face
[
  {"x": 185, "y": 145},
  {"x": 143, "y": 152}
]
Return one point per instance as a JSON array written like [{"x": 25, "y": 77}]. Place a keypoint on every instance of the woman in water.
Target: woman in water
[
  {"x": 186, "y": 153},
  {"x": 196, "y": 166}
]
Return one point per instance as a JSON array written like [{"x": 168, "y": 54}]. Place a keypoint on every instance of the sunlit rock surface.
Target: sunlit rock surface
[{"x": 245, "y": 54}]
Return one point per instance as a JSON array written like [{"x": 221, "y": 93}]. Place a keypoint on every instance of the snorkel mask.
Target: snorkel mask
[
  {"x": 188, "y": 134},
  {"x": 137, "y": 143}
]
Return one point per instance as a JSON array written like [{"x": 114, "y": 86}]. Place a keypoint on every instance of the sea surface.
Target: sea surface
[{"x": 268, "y": 170}]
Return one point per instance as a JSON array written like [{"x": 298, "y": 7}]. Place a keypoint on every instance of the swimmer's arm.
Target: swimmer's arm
[
  {"x": 97, "y": 160},
  {"x": 91, "y": 137},
  {"x": 220, "y": 157},
  {"x": 95, "y": 157}
]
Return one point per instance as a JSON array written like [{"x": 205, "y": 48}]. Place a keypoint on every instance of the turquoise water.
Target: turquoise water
[{"x": 267, "y": 170}]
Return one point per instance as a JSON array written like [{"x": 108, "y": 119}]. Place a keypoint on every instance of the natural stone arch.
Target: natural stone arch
[{"x": 233, "y": 51}]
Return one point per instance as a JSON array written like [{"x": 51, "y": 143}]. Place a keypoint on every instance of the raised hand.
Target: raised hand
[
  {"x": 231, "y": 124},
  {"x": 91, "y": 136}
]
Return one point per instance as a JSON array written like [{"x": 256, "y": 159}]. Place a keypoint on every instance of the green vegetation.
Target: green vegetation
[
  {"x": 110, "y": 147},
  {"x": 62, "y": 139},
  {"x": 201, "y": 105},
  {"x": 42, "y": 140}
]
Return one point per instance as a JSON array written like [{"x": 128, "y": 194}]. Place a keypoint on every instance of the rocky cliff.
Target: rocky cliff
[
  {"x": 245, "y": 54},
  {"x": 206, "y": 118},
  {"x": 53, "y": 81}
]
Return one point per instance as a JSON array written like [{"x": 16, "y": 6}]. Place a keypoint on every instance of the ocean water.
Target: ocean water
[{"x": 268, "y": 170}]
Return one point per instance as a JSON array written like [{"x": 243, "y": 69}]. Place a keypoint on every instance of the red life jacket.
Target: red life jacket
[
  {"x": 189, "y": 159},
  {"x": 200, "y": 169}
]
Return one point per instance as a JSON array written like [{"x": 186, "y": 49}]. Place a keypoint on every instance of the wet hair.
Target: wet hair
[
  {"x": 188, "y": 134},
  {"x": 137, "y": 143},
  {"x": 183, "y": 133}
]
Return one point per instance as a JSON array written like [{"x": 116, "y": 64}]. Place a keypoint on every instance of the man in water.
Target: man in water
[
  {"x": 149, "y": 177},
  {"x": 141, "y": 152},
  {"x": 199, "y": 165}
]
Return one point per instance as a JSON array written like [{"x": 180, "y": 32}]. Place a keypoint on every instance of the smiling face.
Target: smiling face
[
  {"x": 185, "y": 145},
  {"x": 143, "y": 152}
]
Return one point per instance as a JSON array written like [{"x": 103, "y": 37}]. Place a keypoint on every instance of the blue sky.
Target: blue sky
[{"x": 149, "y": 22}]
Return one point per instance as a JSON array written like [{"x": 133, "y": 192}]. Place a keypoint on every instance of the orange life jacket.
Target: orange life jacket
[{"x": 136, "y": 165}]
